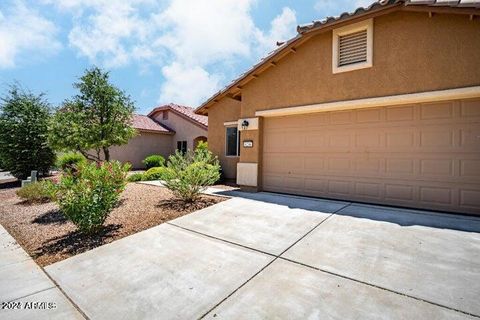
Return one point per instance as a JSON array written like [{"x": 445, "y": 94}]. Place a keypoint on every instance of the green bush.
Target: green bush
[
  {"x": 87, "y": 197},
  {"x": 153, "y": 161},
  {"x": 135, "y": 177},
  {"x": 24, "y": 121},
  {"x": 70, "y": 161},
  {"x": 38, "y": 192},
  {"x": 189, "y": 174},
  {"x": 158, "y": 173}
]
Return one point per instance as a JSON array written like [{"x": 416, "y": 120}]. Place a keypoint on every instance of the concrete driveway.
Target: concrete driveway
[{"x": 267, "y": 256}]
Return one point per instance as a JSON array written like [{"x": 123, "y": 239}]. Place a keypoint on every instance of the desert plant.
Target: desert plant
[
  {"x": 157, "y": 173},
  {"x": 38, "y": 192},
  {"x": 23, "y": 133},
  {"x": 153, "y": 161},
  {"x": 189, "y": 174},
  {"x": 97, "y": 118},
  {"x": 134, "y": 177},
  {"x": 88, "y": 197},
  {"x": 70, "y": 161}
]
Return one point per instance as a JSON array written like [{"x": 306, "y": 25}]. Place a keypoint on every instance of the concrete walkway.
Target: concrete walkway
[
  {"x": 267, "y": 256},
  {"x": 26, "y": 292}
]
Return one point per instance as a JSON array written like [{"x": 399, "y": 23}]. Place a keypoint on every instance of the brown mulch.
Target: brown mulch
[{"x": 48, "y": 237}]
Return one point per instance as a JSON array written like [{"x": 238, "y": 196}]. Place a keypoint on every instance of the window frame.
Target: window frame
[
  {"x": 353, "y": 28},
  {"x": 182, "y": 142},
  {"x": 238, "y": 141}
]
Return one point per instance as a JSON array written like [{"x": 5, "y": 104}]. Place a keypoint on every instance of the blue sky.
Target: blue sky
[{"x": 158, "y": 52}]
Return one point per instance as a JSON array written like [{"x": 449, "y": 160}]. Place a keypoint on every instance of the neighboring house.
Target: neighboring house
[
  {"x": 379, "y": 106},
  {"x": 164, "y": 130}
]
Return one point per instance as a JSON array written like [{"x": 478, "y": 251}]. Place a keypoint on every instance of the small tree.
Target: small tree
[
  {"x": 95, "y": 119},
  {"x": 191, "y": 173},
  {"x": 23, "y": 133},
  {"x": 86, "y": 197}
]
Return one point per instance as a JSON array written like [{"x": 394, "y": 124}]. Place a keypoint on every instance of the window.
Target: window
[
  {"x": 231, "y": 142},
  {"x": 352, "y": 47},
  {"x": 165, "y": 115},
  {"x": 182, "y": 146}
]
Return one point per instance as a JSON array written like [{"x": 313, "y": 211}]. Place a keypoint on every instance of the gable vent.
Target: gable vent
[{"x": 352, "y": 48}]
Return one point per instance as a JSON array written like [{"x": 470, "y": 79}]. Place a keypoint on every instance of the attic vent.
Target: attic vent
[{"x": 352, "y": 48}]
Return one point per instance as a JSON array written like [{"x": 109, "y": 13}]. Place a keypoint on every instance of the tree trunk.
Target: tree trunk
[{"x": 106, "y": 152}]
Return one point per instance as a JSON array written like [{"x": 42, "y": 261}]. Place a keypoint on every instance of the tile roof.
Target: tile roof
[
  {"x": 145, "y": 123},
  {"x": 287, "y": 45},
  {"x": 184, "y": 110},
  {"x": 382, "y": 3}
]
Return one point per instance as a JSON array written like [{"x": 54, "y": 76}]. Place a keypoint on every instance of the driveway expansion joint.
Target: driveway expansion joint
[
  {"x": 379, "y": 287},
  {"x": 72, "y": 302},
  {"x": 31, "y": 294},
  {"x": 263, "y": 268}
]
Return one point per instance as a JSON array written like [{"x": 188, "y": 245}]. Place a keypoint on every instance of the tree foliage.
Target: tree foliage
[
  {"x": 189, "y": 174},
  {"x": 98, "y": 117},
  {"x": 23, "y": 133}
]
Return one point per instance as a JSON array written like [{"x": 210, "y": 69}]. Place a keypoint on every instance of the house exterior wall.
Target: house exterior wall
[
  {"x": 412, "y": 52},
  {"x": 141, "y": 146},
  {"x": 225, "y": 110},
  {"x": 184, "y": 129}
]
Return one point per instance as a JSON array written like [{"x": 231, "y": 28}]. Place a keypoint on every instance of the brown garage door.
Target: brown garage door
[{"x": 423, "y": 156}]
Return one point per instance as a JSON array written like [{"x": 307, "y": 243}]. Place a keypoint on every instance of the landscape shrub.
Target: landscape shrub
[
  {"x": 70, "y": 161},
  {"x": 24, "y": 121},
  {"x": 38, "y": 192},
  {"x": 87, "y": 197},
  {"x": 153, "y": 161},
  {"x": 158, "y": 173},
  {"x": 190, "y": 173},
  {"x": 135, "y": 177}
]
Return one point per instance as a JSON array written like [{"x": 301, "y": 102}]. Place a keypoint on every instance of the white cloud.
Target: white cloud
[
  {"x": 337, "y": 7},
  {"x": 186, "y": 85},
  {"x": 196, "y": 42},
  {"x": 24, "y": 31},
  {"x": 206, "y": 32},
  {"x": 282, "y": 28},
  {"x": 107, "y": 31}
]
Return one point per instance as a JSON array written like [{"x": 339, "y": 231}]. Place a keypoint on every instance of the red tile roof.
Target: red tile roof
[
  {"x": 145, "y": 123},
  {"x": 183, "y": 110}
]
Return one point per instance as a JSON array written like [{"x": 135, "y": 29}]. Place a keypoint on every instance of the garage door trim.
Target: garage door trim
[{"x": 422, "y": 97}]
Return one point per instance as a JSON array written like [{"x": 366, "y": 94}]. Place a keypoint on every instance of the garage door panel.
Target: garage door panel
[
  {"x": 424, "y": 156},
  {"x": 436, "y": 195},
  {"x": 369, "y": 116},
  {"x": 436, "y": 111},
  {"x": 470, "y": 168},
  {"x": 470, "y": 138},
  {"x": 368, "y": 189},
  {"x": 404, "y": 113},
  {"x": 470, "y": 108}
]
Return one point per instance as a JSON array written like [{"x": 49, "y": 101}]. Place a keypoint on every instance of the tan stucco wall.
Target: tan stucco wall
[
  {"x": 411, "y": 53},
  {"x": 224, "y": 111},
  {"x": 184, "y": 129},
  {"x": 141, "y": 146}
]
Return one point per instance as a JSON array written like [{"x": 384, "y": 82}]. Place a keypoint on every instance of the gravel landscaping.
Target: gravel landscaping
[{"x": 48, "y": 237}]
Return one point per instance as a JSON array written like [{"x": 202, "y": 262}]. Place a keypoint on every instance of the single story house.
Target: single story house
[
  {"x": 381, "y": 105},
  {"x": 165, "y": 129}
]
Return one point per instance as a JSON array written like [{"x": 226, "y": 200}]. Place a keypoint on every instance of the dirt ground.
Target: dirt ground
[{"x": 48, "y": 237}]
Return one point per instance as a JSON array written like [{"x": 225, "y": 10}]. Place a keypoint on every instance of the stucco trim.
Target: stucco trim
[
  {"x": 430, "y": 96},
  {"x": 230, "y": 123},
  {"x": 247, "y": 174}
]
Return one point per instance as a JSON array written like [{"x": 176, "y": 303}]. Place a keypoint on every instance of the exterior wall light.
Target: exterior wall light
[{"x": 245, "y": 124}]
